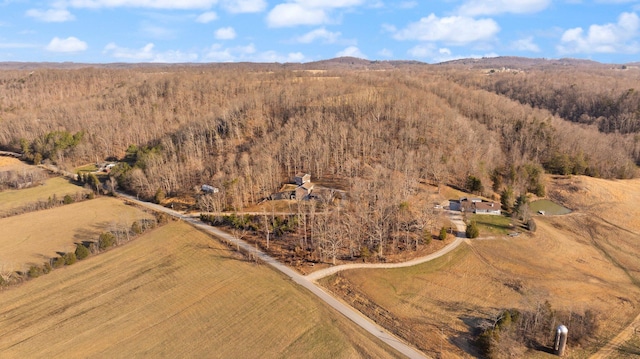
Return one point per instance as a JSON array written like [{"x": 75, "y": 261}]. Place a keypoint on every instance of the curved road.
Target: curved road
[
  {"x": 455, "y": 218},
  {"x": 355, "y": 316}
]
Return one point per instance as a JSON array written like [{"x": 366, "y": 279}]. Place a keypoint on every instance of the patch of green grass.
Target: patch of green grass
[
  {"x": 87, "y": 168},
  {"x": 58, "y": 186},
  {"x": 397, "y": 275},
  {"x": 549, "y": 208},
  {"x": 492, "y": 224}
]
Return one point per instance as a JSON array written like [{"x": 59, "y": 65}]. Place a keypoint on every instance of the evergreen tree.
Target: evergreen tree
[
  {"x": 506, "y": 199},
  {"x": 472, "y": 230}
]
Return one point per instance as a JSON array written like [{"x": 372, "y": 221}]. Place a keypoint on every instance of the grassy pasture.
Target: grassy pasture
[
  {"x": 585, "y": 260},
  {"x": 174, "y": 292},
  {"x": 549, "y": 207},
  {"x": 12, "y": 164},
  {"x": 492, "y": 225},
  {"x": 441, "y": 300},
  {"x": 87, "y": 168},
  {"x": 34, "y": 237},
  {"x": 54, "y": 186}
]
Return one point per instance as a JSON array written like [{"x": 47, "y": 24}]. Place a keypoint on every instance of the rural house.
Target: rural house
[
  {"x": 303, "y": 191},
  {"x": 302, "y": 178},
  {"x": 487, "y": 208},
  {"x": 475, "y": 205}
]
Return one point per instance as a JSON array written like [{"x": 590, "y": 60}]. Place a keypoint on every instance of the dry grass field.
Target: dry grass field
[
  {"x": 57, "y": 186},
  {"x": 12, "y": 164},
  {"x": 587, "y": 260},
  {"x": 174, "y": 293},
  {"x": 33, "y": 238}
]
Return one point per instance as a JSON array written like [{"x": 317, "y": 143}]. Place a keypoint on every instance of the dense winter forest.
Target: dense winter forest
[{"x": 380, "y": 130}]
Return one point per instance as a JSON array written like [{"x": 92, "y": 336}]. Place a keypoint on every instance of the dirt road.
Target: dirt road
[
  {"x": 455, "y": 218},
  {"x": 612, "y": 346},
  {"x": 355, "y": 316}
]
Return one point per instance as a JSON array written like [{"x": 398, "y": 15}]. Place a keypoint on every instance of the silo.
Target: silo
[{"x": 561, "y": 340}]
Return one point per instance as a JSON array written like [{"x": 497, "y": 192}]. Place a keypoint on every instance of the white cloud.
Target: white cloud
[
  {"x": 153, "y": 4},
  {"x": 225, "y": 33},
  {"x": 385, "y": 53},
  {"x": 454, "y": 29},
  {"x": 389, "y": 28},
  {"x": 284, "y": 15},
  {"x": 422, "y": 50},
  {"x": 175, "y": 56},
  {"x": 207, "y": 17},
  {"x": 433, "y": 54},
  {"x": 218, "y": 53},
  {"x": 311, "y": 12},
  {"x": 70, "y": 44},
  {"x": 408, "y": 4},
  {"x": 329, "y": 3},
  {"x": 147, "y": 54},
  {"x": 244, "y": 6},
  {"x": 620, "y": 37},
  {"x": 351, "y": 51},
  {"x": 143, "y": 54},
  {"x": 157, "y": 32},
  {"x": 233, "y": 6},
  {"x": 319, "y": 34},
  {"x": 51, "y": 15},
  {"x": 525, "y": 44},
  {"x": 494, "y": 7},
  {"x": 273, "y": 56}
]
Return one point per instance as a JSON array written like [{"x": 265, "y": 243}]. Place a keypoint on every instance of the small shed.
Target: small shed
[{"x": 302, "y": 178}]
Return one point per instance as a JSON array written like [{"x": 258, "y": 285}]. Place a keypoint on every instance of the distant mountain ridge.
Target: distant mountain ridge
[
  {"x": 352, "y": 63},
  {"x": 522, "y": 62}
]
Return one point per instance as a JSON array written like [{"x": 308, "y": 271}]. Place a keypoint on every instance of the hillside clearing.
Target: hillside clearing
[
  {"x": 33, "y": 238},
  {"x": 582, "y": 261},
  {"x": 544, "y": 206},
  {"x": 57, "y": 186},
  {"x": 173, "y": 292},
  {"x": 12, "y": 164}
]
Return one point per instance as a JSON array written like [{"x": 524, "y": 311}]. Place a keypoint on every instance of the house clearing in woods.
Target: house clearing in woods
[
  {"x": 475, "y": 205},
  {"x": 302, "y": 189}
]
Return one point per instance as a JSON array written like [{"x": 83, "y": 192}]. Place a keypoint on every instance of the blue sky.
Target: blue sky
[{"x": 105, "y": 31}]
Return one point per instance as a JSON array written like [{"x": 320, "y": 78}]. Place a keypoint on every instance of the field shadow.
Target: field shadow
[
  {"x": 467, "y": 341},
  {"x": 630, "y": 350},
  {"x": 85, "y": 235},
  {"x": 216, "y": 252}
]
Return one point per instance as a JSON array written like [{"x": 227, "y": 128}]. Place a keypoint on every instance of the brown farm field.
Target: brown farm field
[
  {"x": 587, "y": 260},
  {"x": 33, "y": 238},
  {"x": 12, "y": 164},
  {"x": 174, "y": 292},
  {"x": 58, "y": 186}
]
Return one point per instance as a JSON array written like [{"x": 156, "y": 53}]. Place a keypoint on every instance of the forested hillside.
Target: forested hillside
[{"x": 249, "y": 128}]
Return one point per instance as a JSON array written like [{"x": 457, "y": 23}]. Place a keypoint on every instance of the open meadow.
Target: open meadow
[
  {"x": 579, "y": 262},
  {"x": 33, "y": 238},
  {"x": 12, "y": 164},
  {"x": 174, "y": 292},
  {"x": 57, "y": 186}
]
